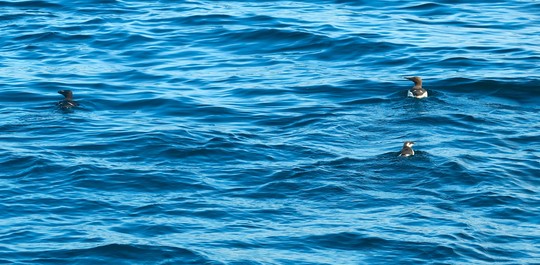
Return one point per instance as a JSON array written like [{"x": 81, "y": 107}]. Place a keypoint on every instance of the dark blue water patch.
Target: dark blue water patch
[
  {"x": 117, "y": 253},
  {"x": 53, "y": 36},
  {"x": 275, "y": 41},
  {"x": 30, "y": 4},
  {"x": 354, "y": 48},
  {"x": 122, "y": 41},
  {"x": 525, "y": 91},
  {"x": 22, "y": 16},
  {"x": 204, "y": 20},
  {"x": 113, "y": 180},
  {"x": 429, "y": 7}
]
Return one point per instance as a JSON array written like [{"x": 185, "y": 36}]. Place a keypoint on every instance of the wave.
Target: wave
[{"x": 118, "y": 253}]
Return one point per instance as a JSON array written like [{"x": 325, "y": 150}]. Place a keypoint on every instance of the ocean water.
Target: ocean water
[{"x": 267, "y": 132}]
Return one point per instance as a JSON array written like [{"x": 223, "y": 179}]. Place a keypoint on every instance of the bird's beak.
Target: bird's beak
[{"x": 408, "y": 77}]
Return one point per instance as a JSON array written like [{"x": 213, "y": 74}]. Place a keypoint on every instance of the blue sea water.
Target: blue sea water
[{"x": 267, "y": 132}]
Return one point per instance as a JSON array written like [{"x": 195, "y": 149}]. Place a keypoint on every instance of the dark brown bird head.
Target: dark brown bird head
[
  {"x": 416, "y": 79},
  {"x": 67, "y": 94}
]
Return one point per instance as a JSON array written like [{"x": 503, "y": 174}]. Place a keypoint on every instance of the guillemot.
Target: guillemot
[
  {"x": 417, "y": 91},
  {"x": 407, "y": 149},
  {"x": 68, "y": 101}
]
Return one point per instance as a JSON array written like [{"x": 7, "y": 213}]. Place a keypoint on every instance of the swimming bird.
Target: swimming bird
[
  {"x": 407, "y": 149},
  {"x": 417, "y": 91},
  {"x": 68, "y": 101}
]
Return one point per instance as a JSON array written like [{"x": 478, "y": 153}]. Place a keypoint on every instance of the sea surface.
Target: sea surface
[{"x": 268, "y": 132}]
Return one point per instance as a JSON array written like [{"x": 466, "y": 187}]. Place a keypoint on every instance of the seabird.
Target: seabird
[
  {"x": 407, "y": 149},
  {"x": 68, "y": 101},
  {"x": 417, "y": 91}
]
